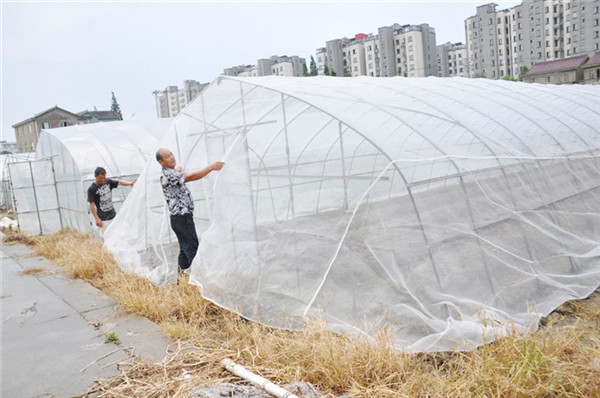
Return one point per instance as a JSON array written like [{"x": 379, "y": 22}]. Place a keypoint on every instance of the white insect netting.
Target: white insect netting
[
  {"x": 447, "y": 210},
  {"x": 51, "y": 191}
]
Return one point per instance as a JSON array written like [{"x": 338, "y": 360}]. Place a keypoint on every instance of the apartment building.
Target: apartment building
[
  {"x": 415, "y": 52},
  {"x": 452, "y": 60},
  {"x": 500, "y": 43},
  {"x": 408, "y": 50},
  {"x": 275, "y": 65},
  {"x": 355, "y": 57},
  {"x": 171, "y": 101},
  {"x": 372, "y": 59},
  {"x": 321, "y": 60}
]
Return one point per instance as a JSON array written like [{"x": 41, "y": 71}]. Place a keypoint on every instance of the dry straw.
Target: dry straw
[{"x": 561, "y": 359}]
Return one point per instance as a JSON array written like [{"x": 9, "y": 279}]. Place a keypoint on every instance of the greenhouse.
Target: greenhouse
[
  {"x": 6, "y": 199},
  {"x": 50, "y": 191},
  {"x": 448, "y": 211}
]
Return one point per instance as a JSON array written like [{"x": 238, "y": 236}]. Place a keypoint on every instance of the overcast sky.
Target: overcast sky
[{"x": 74, "y": 54}]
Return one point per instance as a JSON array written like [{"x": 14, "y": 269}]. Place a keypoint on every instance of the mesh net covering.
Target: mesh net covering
[
  {"x": 446, "y": 210},
  {"x": 122, "y": 148}
]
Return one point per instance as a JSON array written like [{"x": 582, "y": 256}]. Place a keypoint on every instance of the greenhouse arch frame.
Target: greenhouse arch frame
[{"x": 442, "y": 202}]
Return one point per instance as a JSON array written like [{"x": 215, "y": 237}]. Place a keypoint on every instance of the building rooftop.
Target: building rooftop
[
  {"x": 594, "y": 60},
  {"x": 557, "y": 65},
  {"x": 100, "y": 114},
  {"x": 37, "y": 115}
]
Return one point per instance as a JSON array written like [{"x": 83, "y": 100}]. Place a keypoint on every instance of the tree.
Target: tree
[
  {"x": 313, "y": 67},
  {"x": 346, "y": 70},
  {"x": 509, "y": 78},
  {"x": 305, "y": 70},
  {"x": 326, "y": 70},
  {"x": 399, "y": 71},
  {"x": 523, "y": 72},
  {"x": 333, "y": 72},
  {"x": 479, "y": 75},
  {"x": 115, "y": 106}
]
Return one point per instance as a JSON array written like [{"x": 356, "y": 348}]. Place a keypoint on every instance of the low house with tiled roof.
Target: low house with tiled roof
[
  {"x": 28, "y": 131},
  {"x": 560, "y": 71},
  {"x": 100, "y": 116},
  {"x": 591, "y": 69}
]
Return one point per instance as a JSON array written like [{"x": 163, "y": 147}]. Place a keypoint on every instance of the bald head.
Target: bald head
[{"x": 165, "y": 158}]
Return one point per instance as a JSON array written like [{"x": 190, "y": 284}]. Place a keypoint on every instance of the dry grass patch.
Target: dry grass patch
[
  {"x": 562, "y": 359},
  {"x": 32, "y": 271}
]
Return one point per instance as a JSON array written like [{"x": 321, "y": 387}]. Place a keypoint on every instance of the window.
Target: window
[
  {"x": 492, "y": 52},
  {"x": 410, "y": 48},
  {"x": 46, "y": 125},
  {"x": 491, "y": 42},
  {"x": 491, "y": 31},
  {"x": 410, "y": 39},
  {"x": 566, "y": 77}
]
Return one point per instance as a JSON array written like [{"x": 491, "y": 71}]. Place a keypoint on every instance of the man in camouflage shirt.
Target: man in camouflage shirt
[{"x": 180, "y": 202}]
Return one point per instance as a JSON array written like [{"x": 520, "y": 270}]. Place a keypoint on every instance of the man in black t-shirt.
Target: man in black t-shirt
[{"x": 99, "y": 196}]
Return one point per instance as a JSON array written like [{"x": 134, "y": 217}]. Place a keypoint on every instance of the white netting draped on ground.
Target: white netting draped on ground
[{"x": 443, "y": 209}]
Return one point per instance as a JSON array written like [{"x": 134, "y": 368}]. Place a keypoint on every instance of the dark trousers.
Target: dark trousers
[{"x": 188, "y": 240}]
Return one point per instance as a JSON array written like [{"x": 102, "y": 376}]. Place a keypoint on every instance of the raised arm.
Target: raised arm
[
  {"x": 127, "y": 183},
  {"x": 198, "y": 174}
]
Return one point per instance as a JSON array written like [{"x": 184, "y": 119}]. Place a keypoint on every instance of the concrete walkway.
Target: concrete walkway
[{"x": 54, "y": 330}]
